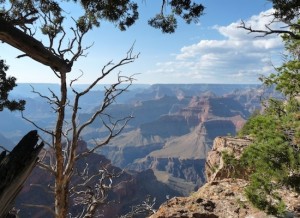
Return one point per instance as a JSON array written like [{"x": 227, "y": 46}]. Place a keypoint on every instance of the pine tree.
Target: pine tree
[
  {"x": 6, "y": 85},
  {"x": 274, "y": 157}
]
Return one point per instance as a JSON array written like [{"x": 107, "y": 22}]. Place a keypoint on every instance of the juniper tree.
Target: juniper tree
[{"x": 274, "y": 156}]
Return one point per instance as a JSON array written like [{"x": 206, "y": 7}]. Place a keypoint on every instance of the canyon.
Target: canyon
[{"x": 161, "y": 152}]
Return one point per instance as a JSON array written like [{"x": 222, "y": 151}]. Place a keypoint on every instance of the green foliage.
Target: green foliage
[
  {"x": 167, "y": 23},
  {"x": 287, "y": 77},
  {"x": 187, "y": 10},
  {"x": 274, "y": 157},
  {"x": 229, "y": 159},
  {"x": 260, "y": 199},
  {"x": 286, "y": 9},
  {"x": 123, "y": 14},
  {"x": 6, "y": 85},
  {"x": 235, "y": 167}
]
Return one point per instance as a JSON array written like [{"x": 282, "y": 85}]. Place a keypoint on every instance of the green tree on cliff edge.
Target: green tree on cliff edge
[{"x": 274, "y": 156}]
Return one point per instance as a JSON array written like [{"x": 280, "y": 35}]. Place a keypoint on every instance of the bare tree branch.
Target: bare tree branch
[
  {"x": 108, "y": 138},
  {"x": 49, "y": 168},
  {"x": 269, "y": 31}
]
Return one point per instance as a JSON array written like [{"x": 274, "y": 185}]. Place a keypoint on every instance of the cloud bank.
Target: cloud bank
[{"x": 239, "y": 57}]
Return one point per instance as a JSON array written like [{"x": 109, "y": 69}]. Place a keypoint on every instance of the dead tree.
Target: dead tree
[
  {"x": 19, "y": 24},
  {"x": 66, "y": 135},
  {"x": 15, "y": 167}
]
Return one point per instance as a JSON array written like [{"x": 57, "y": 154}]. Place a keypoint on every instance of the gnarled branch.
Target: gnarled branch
[{"x": 31, "y": 47}]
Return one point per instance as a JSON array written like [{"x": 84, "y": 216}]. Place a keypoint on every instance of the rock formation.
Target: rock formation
[
  {"x": 214, "y": 166},
  {"x": 223, "y": 196}
]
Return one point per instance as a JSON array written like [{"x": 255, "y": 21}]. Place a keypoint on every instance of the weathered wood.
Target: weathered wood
[
  {"x": 31, "y": 47},
  {"x": 15, "y": 168}
]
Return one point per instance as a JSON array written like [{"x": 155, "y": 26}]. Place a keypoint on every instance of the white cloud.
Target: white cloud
[{"x": 239, "y": 57}]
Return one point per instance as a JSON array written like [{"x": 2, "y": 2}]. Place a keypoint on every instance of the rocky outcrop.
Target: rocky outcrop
[
  {"x": 214, "y": 166},
  {"x": 223, "y": 196},
  {"x": 213, "y": 200},
  {"x": 172, "y": 133},
  {"x": 221, "y": 199}
]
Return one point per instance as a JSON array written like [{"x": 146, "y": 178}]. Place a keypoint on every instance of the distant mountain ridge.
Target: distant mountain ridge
[{"x": 25, "y": 89}]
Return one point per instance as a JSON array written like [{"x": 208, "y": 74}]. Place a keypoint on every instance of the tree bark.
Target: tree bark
[
  {"x": 31, "y": 47},
  {"x": 61, "y": 179}
]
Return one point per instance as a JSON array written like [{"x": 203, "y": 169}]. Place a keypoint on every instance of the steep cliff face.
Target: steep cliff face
[
  {"x": 179, "y": 163},
  {"x": 223, "y": 196}
]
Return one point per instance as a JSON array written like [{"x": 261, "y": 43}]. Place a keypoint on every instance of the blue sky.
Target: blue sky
[{"x": 212, "y": 51}]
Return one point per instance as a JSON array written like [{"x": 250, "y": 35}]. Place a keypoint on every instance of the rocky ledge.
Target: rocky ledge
[{"x": 222, "y": 196}]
